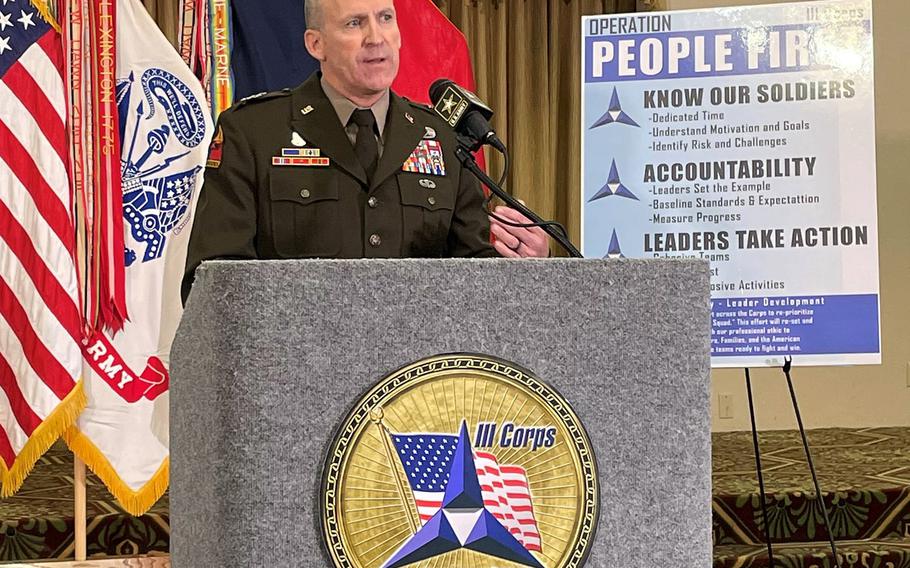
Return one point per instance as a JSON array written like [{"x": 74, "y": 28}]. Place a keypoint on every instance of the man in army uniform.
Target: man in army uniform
[{"x": 341, "y": 167}]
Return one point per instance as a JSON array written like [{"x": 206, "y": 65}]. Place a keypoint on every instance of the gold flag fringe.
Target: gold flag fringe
[
  {"x": 44, "y": 436},
  {"x": 135, "y": 503},
  {"x": 45, "y": 11}
]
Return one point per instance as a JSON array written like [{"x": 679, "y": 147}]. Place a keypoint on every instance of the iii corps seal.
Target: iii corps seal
[{"x": 460, "y": 461}]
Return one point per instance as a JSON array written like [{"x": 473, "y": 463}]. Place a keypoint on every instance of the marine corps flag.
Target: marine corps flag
[
  {"x": 164, "y": 128},
  {"x": 431, "y": 48}
]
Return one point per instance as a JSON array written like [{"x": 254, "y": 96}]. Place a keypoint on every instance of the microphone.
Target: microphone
[{"x": 465, "y": 113}]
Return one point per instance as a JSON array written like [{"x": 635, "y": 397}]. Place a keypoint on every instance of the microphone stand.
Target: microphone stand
[{"x": 468, "y": 161}]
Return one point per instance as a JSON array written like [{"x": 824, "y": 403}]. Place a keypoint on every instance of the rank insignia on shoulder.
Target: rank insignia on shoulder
[
  {"x": 253, "y": 96},
  {"x": 426, "y": 159},
  {"x": 214, "y": 158},
  {"x": 299, "y": 161},
  {"x": 263, "y": 96},
  {"x": 306, "y": 110}
]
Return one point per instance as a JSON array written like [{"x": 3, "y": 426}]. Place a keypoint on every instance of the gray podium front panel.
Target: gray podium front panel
[{"x": 271, "y": 355}]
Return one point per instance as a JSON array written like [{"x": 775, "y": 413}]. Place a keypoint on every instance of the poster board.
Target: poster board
[{"x": 744, "y": 136}]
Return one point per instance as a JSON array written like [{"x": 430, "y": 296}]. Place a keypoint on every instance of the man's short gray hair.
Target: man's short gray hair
[{"x": 313, "y": 14}]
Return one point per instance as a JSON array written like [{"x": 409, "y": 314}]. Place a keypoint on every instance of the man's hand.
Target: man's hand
[{"x": 518, "y": 242}]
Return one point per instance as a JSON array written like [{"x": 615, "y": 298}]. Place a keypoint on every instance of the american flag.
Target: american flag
[
  {"x": 40, "y": 327},
  {"x": 427, "y": 458}
]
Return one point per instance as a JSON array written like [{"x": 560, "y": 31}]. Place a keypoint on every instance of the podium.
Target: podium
[{"x": 271, "y": 355}]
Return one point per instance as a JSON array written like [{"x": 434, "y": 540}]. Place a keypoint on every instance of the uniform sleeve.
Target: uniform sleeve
[
  {"x": 469, "y": 235},
  {"x": 224, "y": 225}
]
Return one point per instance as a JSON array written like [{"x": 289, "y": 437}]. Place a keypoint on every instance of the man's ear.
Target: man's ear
[{"x": 313, "y": 41}]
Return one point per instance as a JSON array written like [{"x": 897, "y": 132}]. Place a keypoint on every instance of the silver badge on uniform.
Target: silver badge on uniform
[
  {"x": 297, "y": 140},
  {"x": 429, "y": 134},
  {"x": 427, "y": 183}
]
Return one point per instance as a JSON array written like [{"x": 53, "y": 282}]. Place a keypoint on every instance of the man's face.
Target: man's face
[{"x": 358, "y": 45}]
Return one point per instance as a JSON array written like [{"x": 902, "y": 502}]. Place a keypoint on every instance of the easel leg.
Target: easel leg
[
  {"x": 802, "y": 432},
  {"x": 761, "y": 480}
]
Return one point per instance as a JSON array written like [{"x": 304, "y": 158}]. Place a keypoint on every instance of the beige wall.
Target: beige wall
[{"x": 864, "y": 395}]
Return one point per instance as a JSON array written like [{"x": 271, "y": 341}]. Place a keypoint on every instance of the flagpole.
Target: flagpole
[
  {"x": 79, "y": 504},
  {"x": 376, "y": 417}
]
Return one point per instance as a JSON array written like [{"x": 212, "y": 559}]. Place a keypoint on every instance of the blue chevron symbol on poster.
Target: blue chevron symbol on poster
[
  {"x": 614, "y": 113},
  {"x": 613, "y": 251},
  {"x": 613, "y": 186}
]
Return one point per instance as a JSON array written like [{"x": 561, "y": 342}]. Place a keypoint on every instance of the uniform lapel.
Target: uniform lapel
[
  {"x": 403, "y": 132},
  {"x": 314, "y": 118}
]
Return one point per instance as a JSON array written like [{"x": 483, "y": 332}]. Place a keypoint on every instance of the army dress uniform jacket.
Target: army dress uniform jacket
[{"x": 251, "y": 208}]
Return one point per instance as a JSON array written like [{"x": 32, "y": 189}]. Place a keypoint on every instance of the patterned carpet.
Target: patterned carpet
[
  {"x": 865, "y": 475},
  {"x": 160, "y": 561},
  {"x": 37, "y": 522}
]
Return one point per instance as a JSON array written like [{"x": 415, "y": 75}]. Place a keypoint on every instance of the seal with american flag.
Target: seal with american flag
[{"x": 460, "y": 460}]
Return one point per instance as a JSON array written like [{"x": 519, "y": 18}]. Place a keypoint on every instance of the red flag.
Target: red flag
[{"x": 431, "y": 48}]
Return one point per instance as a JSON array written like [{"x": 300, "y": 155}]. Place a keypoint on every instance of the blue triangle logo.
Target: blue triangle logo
[
  {"x": 463, "y": 502},
  {"x": 613, "y": 251},
  {"x": 463, "y": 489},
  {"x": 493, "y": 539},
  {"x": 434, "y": 538},
  {"x": 614, "y": 114},
  {"x": 614, "y": 186}
]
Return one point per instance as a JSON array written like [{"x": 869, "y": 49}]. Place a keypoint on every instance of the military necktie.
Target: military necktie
[{"x": 365, "y": 146}]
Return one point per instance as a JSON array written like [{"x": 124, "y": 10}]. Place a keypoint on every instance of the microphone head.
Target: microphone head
[
  {"x": 438, "y": 88},
  {"x": 463, "y": 111},
  {"x": 448, "y": 101}
]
